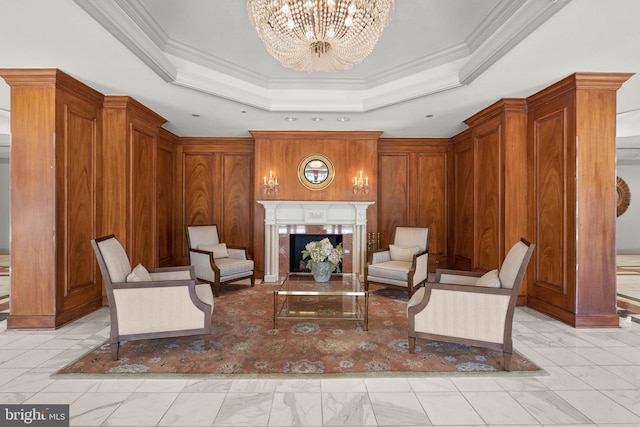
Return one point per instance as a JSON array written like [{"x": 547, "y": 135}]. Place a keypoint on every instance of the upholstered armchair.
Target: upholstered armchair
[
  {"x": 403, "y": 263},
  {"x": 153, "y": 303},
  {"x": 215, "y": 262},
  {"x": 471, "y": 308}
]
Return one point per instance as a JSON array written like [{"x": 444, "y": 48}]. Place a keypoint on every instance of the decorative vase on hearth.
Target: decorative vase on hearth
[{"x": 322, "y": 271}]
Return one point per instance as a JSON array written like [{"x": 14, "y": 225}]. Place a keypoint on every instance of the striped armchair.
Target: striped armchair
[
  {"x": 471, "y": 308},
  {"x": 153, "y": 303}
]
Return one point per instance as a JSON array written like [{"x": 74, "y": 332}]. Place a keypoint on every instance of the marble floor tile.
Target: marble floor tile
[
  {"x": 387, "y": 385},
  {"x": 92, "y": 409},
  {"x": 599, "y": 408},
  {"x": 628, "y": 373},
  {"x": 499, "y": 408},
  {"x": 396, "y": 408},
  {"x": 343, "y": 384},
  {"x": 14, "y": 398},
  {"x": 31, "y": 381},
  {"x": 193, "y": 409},
  {"x": 141, "y": 409},
  {"x": 162, "y": 386},
  {"x": 599, "y": 378},
  {"x": 476, "y": 384},
  {"x": 630, "y": 399},
  {"x": 207, "y": 386},
  {"x": 549, "y": 408},
  {"x": 561, "y": 379},
  {"x": 431, "y": 384},
  {"x": 449, "y": 408},
  {"x": 347, "y": 409},
  {"x": 253, "y": 385},
  {"x": 601, "y": 356},
  {"x": 245, "y": 409},
  {"x": 563, "y": 356},
  {"x": 299, "y": 385},
  {"x": 296, "y": 409},
  {"x": 53, "y": 398}
]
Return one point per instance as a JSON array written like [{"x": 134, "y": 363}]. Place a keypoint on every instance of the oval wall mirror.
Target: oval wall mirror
[{"x": 316, "y": 172}]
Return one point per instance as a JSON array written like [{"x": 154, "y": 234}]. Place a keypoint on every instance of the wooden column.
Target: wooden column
[
  {"x": 56, "y": 129},
  {"x": 572, "y": 128},
  {"x": 130, "y": 165}
]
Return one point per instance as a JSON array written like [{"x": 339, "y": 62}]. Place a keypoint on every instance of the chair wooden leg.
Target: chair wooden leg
[
  {"x": 114, "y": 347},
  {"x": 412, "y": 345},
  {"x": 507, "y": 361},
  {"x": 253, "y": 280},
  {"x": 207, "y": 342}
]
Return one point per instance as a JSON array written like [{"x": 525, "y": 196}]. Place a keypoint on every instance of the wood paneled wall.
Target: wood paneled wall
[
  {"x": 214, "y": 185},
  {"x": 281, "y": 152},
  {"x": 415, "y": 189},
  {"x": 85, "y": 165},
  {"x": 56, "y": 127}
]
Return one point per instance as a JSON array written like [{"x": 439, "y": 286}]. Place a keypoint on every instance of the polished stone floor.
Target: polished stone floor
[{"x": 594, "y": 379}]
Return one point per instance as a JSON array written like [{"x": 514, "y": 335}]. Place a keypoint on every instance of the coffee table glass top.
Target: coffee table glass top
[
  {"x": 301, "y": 297},
  {"x": 304, "y": 284}
]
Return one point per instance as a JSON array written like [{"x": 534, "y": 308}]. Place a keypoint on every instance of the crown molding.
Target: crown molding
[
  {"x": 506, "y": 25},
  {"x": 516, "y": 26},
  {"x": 116, "y": 19}
]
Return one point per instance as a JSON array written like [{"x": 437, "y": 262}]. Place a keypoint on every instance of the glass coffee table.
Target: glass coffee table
[{"x": 300, "y": 297}]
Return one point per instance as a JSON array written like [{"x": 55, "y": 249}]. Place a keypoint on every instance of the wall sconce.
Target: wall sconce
[
  {"x": 360, "y": 185},
  {"x": 270, "y": 185}
]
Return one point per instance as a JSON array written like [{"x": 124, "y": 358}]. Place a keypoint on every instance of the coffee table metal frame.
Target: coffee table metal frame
[{"x": 302, "y": 284}]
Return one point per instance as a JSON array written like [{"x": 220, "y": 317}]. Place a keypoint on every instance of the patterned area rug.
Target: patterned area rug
[{"x": 245, "y": 343}]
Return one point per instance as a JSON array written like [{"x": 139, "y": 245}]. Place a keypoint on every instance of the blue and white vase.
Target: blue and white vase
[{"x": 322, "y": 272}]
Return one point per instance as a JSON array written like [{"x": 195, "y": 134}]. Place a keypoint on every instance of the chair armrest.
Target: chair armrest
[
  {"x": 380, "y": 255},
  {"x": 202, "y": 260},
  {"x": 419, "y": 267},
  {"x": 238, "y": 252},
  {"x": 460, "y": 277},
  {"x": 185, "y": 272}
]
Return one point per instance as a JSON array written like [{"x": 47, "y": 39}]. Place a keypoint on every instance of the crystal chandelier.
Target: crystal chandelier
[{"x": 320, "y": 35}]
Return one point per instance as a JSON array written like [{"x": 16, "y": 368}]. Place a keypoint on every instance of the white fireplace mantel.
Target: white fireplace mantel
[{"x": 278, "y": 213}]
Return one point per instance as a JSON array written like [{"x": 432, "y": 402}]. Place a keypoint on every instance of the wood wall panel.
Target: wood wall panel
[
  {"x": 78, "y": 287},
  {"x": 165, "y": 198},
  {"x": 489, "y": 190},
  {"x": 237, "y": 214},
  {"x": 463, "y": 225},
  {"x": 215, "y": 186},
  {"x": 394, "y": 195},
  {"x": 552, "y": 231},
  {"x": 198, "y": 189},
  {"x": 432, "y": 201},
  {"x": 143, "y": 197},
  {"x": 415, "y": 176}
]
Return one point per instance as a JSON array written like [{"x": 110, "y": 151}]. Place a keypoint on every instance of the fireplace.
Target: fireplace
[
  {"x": 297, "y": 243},
  {"x": 285, "y": 218}
]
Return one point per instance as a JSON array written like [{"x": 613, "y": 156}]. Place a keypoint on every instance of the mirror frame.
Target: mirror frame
[{"x": 310, "y": 185}]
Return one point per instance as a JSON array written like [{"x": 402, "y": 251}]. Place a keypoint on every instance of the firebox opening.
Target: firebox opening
[{"x": 297, "y": 243}]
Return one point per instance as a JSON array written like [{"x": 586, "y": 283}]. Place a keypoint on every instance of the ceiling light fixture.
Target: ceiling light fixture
[{"x": 320, "y": 35}]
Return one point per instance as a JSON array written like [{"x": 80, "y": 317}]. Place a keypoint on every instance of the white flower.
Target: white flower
[{"x": 323, "y": 250}]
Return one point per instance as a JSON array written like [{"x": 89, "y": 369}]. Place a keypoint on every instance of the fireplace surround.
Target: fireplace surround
[{"x": 283, "y": 218}]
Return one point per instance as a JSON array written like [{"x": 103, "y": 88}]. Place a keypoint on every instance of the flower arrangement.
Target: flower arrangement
[{"x": 323, "y": 251}]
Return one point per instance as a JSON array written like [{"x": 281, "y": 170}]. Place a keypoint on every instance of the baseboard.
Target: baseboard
[{"x": 627, "y": 251}]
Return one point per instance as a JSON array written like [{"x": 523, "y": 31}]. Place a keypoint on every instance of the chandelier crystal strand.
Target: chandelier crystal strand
[{"x": 320, "y": 35}]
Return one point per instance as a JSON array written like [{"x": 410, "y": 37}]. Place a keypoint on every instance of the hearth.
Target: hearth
[
  {"x": 297, "y": 243},
  {"x": 284, "y": 218}
]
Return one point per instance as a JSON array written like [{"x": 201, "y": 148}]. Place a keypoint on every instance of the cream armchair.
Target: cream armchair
[
  {"x": 154, "y": 303},
  {"x": 215, "y": 262},
  {"x": 471, "y": 308},
  {"x": 404, "y": 263}
]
